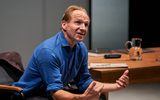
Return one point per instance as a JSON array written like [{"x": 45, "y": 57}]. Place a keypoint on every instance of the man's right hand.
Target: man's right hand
[{"x": 93, "y": 91}]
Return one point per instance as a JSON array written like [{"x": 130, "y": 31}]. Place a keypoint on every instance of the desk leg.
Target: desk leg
[{"x": 104, "y": 96}]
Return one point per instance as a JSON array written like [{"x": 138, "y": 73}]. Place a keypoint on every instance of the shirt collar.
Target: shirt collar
[{"x": 64, "y": 41}]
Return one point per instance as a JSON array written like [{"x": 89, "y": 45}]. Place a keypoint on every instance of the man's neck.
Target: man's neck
[{"x": 71, "y": 41}]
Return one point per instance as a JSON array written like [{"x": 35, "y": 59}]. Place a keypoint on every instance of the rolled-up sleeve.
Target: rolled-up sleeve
[{"x": 49, "y": 68}]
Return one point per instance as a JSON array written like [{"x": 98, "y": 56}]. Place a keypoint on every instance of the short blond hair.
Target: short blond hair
[{"x": 67, "y": 14}]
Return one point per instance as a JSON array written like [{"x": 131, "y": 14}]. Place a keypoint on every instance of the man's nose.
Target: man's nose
[{"x": 82, "y": 26}]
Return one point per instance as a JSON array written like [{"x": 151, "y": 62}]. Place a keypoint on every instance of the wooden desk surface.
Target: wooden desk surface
[{"x": 146, "y": 70}]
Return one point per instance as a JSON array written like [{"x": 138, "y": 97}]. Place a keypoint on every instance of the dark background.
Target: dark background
[{"x": 144, "y": 21}]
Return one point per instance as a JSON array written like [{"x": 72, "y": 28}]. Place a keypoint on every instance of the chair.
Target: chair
[{"x": 11, "y": 70}]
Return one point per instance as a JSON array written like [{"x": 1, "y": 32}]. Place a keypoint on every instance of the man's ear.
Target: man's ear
[{"x": 64, "y": 25}]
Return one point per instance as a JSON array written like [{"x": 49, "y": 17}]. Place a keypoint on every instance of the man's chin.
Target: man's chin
[{"x": 79, "y": 39}]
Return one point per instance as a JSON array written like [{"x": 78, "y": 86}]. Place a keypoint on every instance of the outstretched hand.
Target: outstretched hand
[{"x": 123, "y": 81}]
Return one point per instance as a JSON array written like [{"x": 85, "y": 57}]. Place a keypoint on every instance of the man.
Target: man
[{"x": 63, "y": 58}]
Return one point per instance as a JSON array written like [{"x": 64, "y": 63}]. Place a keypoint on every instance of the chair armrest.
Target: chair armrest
[
  {"x": 11, "y": 92},
  {"x": 12, "y": 88}
]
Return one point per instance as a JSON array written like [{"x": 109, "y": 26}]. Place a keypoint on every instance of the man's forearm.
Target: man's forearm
[{"x": 109, "y": 87}]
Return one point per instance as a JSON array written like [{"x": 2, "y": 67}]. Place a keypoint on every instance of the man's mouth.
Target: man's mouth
[{"x": 81, "y": 33}]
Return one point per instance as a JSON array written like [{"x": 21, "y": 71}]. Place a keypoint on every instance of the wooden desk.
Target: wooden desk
[{"x": 146, "y": 70}]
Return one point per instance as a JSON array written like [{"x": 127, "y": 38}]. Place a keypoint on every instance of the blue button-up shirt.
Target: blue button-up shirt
[{"x": 54, "y": 64}]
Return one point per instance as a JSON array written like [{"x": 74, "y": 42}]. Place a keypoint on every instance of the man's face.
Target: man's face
[{"x": 77, "y": 27}]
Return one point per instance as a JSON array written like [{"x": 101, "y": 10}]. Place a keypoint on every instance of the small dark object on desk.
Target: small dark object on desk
[{"x": 112, "y": 55}]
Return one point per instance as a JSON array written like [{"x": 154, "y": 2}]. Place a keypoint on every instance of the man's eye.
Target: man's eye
[
  {"x": 86, "y": 24},
  {"x": 78, "y": 22},
  {"x": 81, "y": 23}
]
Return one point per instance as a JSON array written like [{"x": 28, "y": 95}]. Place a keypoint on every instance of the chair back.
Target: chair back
[{"x": 11, "y": 69}]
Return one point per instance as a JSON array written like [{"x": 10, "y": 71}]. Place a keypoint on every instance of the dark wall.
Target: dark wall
[{"x": 144, "y": 22}]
